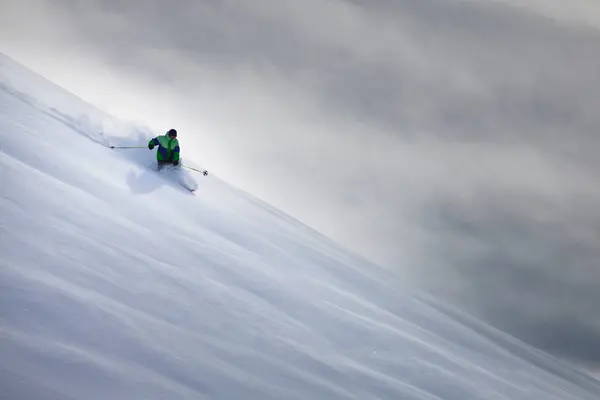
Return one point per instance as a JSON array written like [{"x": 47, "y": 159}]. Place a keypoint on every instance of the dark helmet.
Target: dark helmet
[{"x": 172, "y": 132}]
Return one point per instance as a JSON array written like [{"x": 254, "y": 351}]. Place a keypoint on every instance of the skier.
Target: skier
[{"x": 168, "y": 148}]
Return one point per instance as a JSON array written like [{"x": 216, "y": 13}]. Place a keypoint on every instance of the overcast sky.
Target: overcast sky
[{"x": 455, "y": 142}]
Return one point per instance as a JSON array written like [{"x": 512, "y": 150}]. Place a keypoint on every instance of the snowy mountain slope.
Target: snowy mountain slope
[{"x": 115, "y": 283}]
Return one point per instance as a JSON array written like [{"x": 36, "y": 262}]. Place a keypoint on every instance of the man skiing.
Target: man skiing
[{"x": 168, "y": 148}]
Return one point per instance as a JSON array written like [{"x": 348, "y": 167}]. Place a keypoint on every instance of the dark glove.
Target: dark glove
[
  {"x": 150, "y": 146},
  {"x": 176, "y": 162}
]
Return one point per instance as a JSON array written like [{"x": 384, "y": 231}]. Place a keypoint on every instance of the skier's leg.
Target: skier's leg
[{"x": 161, "y": 164}]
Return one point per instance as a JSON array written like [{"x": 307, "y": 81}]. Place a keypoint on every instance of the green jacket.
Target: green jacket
[{"x": 168, "y": 149}]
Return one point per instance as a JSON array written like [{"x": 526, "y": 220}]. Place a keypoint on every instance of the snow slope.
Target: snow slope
[{"x": 118, "y": 284}]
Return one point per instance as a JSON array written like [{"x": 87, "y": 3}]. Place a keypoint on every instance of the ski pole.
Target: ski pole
[
  {"x": 128, "y": 147},
  {"x": 205, "y": 172}
]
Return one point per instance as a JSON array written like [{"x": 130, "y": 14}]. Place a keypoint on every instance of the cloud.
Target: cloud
[{"x": 455, "y": 141}]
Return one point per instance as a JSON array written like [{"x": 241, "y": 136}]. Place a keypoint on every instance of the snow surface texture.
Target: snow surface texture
[{"x": 116, "y": 283}]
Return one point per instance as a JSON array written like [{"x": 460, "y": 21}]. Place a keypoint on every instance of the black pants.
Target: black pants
[{"x": 162, "y": 163}]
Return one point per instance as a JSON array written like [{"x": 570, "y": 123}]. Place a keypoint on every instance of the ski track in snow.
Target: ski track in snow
[{"x": 115, "y": 284}]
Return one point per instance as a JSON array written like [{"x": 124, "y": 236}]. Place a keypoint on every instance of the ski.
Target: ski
[{"x": 192, "y": 191}]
